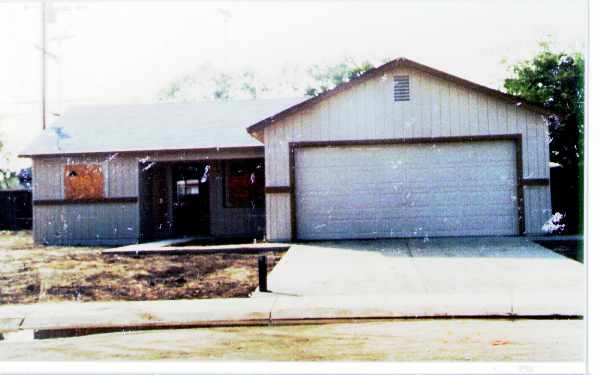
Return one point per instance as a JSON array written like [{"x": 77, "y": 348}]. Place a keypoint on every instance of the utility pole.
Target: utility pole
[
  {"x": 48, "y": 15},
  {"x": 43, "y": 54}
]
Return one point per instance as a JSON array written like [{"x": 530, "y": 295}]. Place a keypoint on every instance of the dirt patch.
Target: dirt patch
[
  {"x": 570, "y": 248},
  {"x": 31, "y": 273}
]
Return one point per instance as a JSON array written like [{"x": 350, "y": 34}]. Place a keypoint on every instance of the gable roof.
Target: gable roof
[
  {"x": 155, "y": 127},
  {"x": 375, "y": 72}
]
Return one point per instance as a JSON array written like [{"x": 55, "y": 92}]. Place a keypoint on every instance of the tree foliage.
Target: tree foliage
[
  {"x": 8, "y": 179},
  {"x": 207, "y": 82},
  {"x": 330, "y": 76},
  {"x": 555, "y": 81}
]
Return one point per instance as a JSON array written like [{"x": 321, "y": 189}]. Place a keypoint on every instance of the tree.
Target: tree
[
  {"x": 328, "y": 77},
  {"x": 222, "y": 89},
  {"x": 555, "y": 81},
  {"x": 207, "y": 82},
  {"x": 8, "y": 179}
]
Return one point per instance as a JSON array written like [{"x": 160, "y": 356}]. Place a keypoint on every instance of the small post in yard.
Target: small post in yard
[{"x": 262, "y": 273}]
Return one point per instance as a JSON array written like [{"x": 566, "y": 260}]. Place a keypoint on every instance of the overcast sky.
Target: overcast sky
[{"x": 125, "y": 52}]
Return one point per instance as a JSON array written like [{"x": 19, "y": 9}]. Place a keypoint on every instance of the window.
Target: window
[
  {"x": 244, "y": 184},
  {"x": 191, "y": 180},
  {"x": 401, "y": 89},
  {"x": 187, "y": 187},
  {"x": 83, "y": 181}
]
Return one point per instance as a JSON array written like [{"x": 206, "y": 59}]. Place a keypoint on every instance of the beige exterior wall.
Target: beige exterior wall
[
  {"x": 227, "y": 221},
  {"x": 119, "y": 223},
  {"x": 437, "y": 108},
  {"x": 89, "y": 223}
]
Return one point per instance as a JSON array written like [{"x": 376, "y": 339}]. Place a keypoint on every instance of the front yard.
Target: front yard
[{"x": 30, "y": 273}]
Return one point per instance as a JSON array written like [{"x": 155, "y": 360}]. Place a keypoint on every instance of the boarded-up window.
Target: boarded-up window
[
  {"x": 245, "y": 184},
  {"x": 84, "y": 181}
]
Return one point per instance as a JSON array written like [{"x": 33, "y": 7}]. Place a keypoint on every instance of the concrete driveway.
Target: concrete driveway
[{"x": 482, "y": 267}]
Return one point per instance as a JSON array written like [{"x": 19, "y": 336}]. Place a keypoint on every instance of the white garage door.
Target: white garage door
[{"x": 444, "y": 189}]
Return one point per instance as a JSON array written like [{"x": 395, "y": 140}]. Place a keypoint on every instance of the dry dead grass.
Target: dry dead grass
[
  {"x": 395, "y": 340},
  {"x": 30, "y": 273}
]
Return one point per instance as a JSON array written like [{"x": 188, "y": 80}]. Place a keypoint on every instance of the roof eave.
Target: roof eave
[{"x": 134, "y": 152}]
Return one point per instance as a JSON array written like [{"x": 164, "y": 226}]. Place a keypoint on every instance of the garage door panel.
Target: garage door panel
[
  {"x": 406, "y": 190},
  {"x": 369, "y": 228},
  {"x": 485, "y": 199},
  {"x": 394, "y": 218},
  {"x": 341, "y": 186}
]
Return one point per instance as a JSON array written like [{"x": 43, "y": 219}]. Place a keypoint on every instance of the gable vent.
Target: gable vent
[{"x": 401, "y": 89}]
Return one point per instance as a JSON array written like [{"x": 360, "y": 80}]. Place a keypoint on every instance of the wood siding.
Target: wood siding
[
  {"x": 437, "y": 108},
  {"x": 226, "y": 221},
  {"x": 86, "y": 223},
  {"x": 114, "y": 223}
]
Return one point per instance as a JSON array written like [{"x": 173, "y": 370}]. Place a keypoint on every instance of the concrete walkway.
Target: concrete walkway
[{"x": 502, "y": 266}]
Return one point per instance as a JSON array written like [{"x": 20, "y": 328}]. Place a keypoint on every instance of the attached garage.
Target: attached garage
[
  {"x": 406, "y": 190},
  {"x": 406, "y": 150}
]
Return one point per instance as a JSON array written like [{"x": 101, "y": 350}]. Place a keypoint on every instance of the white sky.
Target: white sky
[{"x": 125, "y": 52}]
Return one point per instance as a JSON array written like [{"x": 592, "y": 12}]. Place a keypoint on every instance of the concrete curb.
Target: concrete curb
[
  {"x": 192, "y": 250},
  {"x": 51, "y": 320},
  {"x": 171, "y": 247}
]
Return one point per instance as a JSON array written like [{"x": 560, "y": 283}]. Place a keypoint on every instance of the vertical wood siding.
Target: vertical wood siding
[
  {"x": 86, "y": 224},
  {"x": 437, "y": 108},
  {"x": 120, "y": 175},
  {"x": 119, "y": 223},
  {"x": 226, "y": 221},
  {"x": 278, "y": 222}
]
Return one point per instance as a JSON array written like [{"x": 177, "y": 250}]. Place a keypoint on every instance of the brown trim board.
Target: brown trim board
[
  {"x": 60, "y": 202},
  {"x": 277, "y": 189},
  {"x": 145, "y": 153},
  {"x": 517, "y": 138},
  {"x": 536, "y": 181}
]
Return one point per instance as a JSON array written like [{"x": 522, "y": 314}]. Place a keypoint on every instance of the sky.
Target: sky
[{"x": 126, "y": 52}]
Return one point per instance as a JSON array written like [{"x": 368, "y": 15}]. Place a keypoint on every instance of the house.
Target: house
[
  {"x": 114, "y": 175},
  {"x": 402, "y": 151}
]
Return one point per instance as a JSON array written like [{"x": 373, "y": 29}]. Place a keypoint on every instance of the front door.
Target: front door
[{"x": 191, "y": 199}]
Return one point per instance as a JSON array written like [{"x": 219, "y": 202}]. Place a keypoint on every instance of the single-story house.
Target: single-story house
[{"x": 404, "y": 150}]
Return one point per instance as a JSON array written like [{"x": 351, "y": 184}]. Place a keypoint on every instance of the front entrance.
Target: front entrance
[
  {"x": 191, "y": 205},
  {"x": 204, "y": 198}
]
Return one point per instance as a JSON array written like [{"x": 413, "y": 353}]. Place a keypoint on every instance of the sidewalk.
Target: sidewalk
[{"x": 46, "y": 320}]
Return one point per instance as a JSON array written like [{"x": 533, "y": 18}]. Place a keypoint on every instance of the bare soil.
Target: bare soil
[
  {"x": 30, "y": 273},
  {"x": 570, "y": 248}
]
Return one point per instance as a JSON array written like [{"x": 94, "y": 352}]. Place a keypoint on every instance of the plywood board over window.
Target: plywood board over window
[
  {"x": 84, "y": 181},
  {"x": 245, "y": 184}
]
